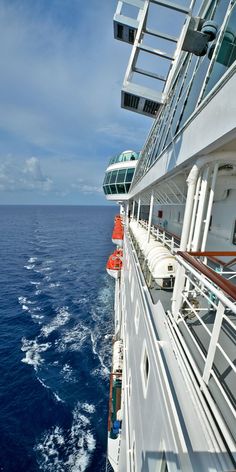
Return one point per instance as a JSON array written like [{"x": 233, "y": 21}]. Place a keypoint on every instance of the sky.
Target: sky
[{"x": 60, "y": 116}]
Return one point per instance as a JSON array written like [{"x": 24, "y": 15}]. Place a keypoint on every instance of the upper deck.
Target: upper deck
[{"x": 196, "y": 113}]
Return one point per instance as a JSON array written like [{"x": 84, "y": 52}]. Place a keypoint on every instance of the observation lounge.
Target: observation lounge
[{"x": 119, "y": 175}]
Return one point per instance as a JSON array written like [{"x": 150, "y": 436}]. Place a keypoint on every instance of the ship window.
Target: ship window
[
  {"x": 145, "y": 369},
  {"x": 129, "y": 175},
  {"x": 105, "y": 190},
  {"x": 127, "y": 187},
  {"x": 121, "y": 175},
  {"x": 120, "y": 188},
  {"x": 120, "y": 31},
  {"x": 133, "y": 457},
  {"x": 113, "y": 176},
  {"x": 190, "y": 102},
  {"x": 108, "y": 189},
  {"x": 113, "y": 188},
  {"x": 160, "y": 213},
  {"x": 234, "y": 234},
  {"x": 226, "y": 54}
]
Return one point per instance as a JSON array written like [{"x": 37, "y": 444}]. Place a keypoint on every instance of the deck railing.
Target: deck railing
[{"x": 207, "y": 321}]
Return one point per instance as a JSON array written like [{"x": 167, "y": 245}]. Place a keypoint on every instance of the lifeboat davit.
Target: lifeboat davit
[{"x": 114, "y": 264}]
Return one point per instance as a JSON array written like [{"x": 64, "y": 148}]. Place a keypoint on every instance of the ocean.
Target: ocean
[{"x": 56, "y": 318}]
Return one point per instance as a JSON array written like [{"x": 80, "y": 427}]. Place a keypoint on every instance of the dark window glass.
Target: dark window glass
[
  {"x": 113, "y": 188},
  {"x": 113, "y": 176},
  {"x": 127, "y": 186},
  {"x": 108, "y": 189},
  {"x": 190, "y": 102},
  {"x": 226, "y": 54},
  {"x": 121, "y": 175},
  {"x": 120, "y": 188},
  {"x": 104, "y": 190},
  {"x": 234, "y": 234},
  {"x": 108, "y": 177},
  {"x": 129, "y": 175}
]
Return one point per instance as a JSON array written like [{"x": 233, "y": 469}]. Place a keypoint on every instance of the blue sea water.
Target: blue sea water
[{"x": 56, "y": 305}]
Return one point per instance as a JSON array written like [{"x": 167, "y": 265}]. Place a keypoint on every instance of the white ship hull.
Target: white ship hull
[{"x": 175, "y": 300}]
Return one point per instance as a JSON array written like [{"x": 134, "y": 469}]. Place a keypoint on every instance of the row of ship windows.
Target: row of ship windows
[
  {"x": 124, "y": 157},
  {"x": 116, "y": 188},
  {"x": 119, "y": 176},
  {"x": 196, "y": 78}
]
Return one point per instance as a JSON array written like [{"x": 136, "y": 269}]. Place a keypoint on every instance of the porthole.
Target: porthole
[
  {"x": 145, "y": 369},
  {"x": 133, "y": 457}
]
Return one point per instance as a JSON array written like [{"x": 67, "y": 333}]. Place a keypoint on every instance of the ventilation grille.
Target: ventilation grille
[
  {"x": 131, "y": 101},
  {"x": 150, "y": 107},
  {"x": 120, "y": 29}
]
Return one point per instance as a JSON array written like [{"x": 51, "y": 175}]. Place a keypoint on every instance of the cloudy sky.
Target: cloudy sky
[{"x": 60, "y": 115}]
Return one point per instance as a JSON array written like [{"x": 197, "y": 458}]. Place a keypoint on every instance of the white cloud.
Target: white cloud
[
  {"x": 85, "y": 187},
  {"x": 26, "y": 175}
]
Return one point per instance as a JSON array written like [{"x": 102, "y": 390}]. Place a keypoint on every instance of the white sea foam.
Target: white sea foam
[
  {"x": 61, "y": 318},
  {"x": 54, "y": 284},
  {"x": 35, "y": 283},
  {"x": 74, "y": 338},
  {"x": 37, "y": 292},
  {"x": 29, "y": 266},
  {"x": 31, "y": 260},
  {"x": 104, "y": 371},
  {"x": 88, "y": 407},
  {"x": 33, "y": 351},
  {"x": 75, "y": 445},
  {"x": 67, "y": 373}
]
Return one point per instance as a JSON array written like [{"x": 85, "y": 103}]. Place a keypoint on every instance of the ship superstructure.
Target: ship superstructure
[{"x": 173, "y": 378}]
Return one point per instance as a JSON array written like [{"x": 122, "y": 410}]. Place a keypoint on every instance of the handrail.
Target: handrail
[
  {"x": 225, "y": 285},
  {"x": 212, "y": 255}
]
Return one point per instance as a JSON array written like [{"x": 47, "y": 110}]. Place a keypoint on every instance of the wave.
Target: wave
[
  {"x": 74, "y": 338},
  {"x": 29, "y": 266},
  {"x": 61, "y": 319},
  {"x": 31, "y": 260},
  {"x": 33, "y": 352},
  {"x": 61, "y": 450}
]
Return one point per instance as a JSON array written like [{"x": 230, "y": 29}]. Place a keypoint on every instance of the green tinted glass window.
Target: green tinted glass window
[
  {"x": 108, "y": 189},
  {"x": 121, "y": 175},
  {"x": 113, "y": 176},
  {"x": 127, "y": 187},
  {"x": 113, "y": 188},
  {"x": 129, "y": 175},
  {"x": 226, "y": 54},
  {"x": 121, "y": 188}
]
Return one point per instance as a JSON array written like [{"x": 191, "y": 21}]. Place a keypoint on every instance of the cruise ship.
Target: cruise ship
[{"x": 173, "y": 374}]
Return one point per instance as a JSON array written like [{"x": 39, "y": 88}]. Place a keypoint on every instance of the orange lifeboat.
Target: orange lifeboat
[
  {"x": 114, "y": 264},
  {"x": 118, "y": 236}
]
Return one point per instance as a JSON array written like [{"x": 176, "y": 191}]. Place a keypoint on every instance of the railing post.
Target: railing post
[
  {"x": 213, "y": 342},
  {"x": 138, "y": 214},
  {"x": 133, "y": 208},
  {"x": 200, "y": 210},
  {"x": 150, "y": 217}
]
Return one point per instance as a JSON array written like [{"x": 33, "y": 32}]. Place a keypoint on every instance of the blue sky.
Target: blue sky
[{"x": 60, "y": 115}]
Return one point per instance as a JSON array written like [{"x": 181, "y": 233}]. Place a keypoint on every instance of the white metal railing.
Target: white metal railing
[
  {"x": 169, "y": 240},
  {"x": 205, "y": 312}
]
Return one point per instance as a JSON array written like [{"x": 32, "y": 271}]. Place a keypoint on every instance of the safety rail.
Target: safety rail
[
  {"x": 170, "y": 240},
  {"x": 207, "y": 320}
]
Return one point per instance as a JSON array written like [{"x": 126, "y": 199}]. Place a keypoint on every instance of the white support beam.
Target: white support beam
[
  {"x": 150, "y": 217},
  {"x": 200, "y": 210},
  {"x": 209, "y": 208}
]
